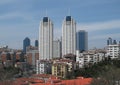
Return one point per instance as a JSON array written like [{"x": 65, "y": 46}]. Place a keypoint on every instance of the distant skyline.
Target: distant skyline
[{"x": 21, "y": 18}]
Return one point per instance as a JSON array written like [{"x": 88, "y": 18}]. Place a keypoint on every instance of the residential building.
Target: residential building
[
  {"x": 26, "y": 43},
  {"x": 69, "y": 67},
  {"x": 60, "y": 70},
  {"x": 56, "y": 49},
  {"x": 46, "y": 39},
  {"x": 68, "y": 36},
  {"x": 31, "y": 57},
  {"x": 79, "y": 59},
  {"x": 43, "y": 66},
  {"x": 113, "y": 51},
  {"x": 70, "y": 57},
  {"x": 88, "y": 58},
  {"x": 82, "y": 40}
]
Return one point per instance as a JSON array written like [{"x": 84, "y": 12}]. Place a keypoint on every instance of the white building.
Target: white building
[
  {"x": 46, "y": 39},
  {"x": 43, "y": 67},
  {"x": 87, "y": 58},
  {"x": 68, "y": 36},
  {"x": 56, "y": 49},
  {"x": 113, "y": 51}
]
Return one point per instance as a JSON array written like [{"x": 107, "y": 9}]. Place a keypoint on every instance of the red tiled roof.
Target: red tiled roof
[
  {"x": 33, "y": 81},
  {"x": 84, "y": 81},
  {"x": 45, "y": 76}
]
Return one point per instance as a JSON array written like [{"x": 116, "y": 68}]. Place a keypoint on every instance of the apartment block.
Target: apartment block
[
  {"x": 43, "y": 66},
  {"x": 88, "y": 58},
  {"x": 60, "y": 70},
  {"x": 113, "y": 51}
]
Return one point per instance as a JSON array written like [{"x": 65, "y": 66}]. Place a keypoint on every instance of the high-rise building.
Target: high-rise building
[
  {"x": 68, "y": 36},
  {"x": 26, "y": 43},
  {"x": 114, "y": 42},
  {"x": 46, "y": 39},
  {"x": 56, "y": 48},
  {"x": 82, "y": 40},
  {"x": 109, "y": 41},
  {"x": 36, "y": 43}
]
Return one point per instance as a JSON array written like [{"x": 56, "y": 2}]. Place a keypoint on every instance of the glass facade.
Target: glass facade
[
  {"x": 82, "y": 40},
  {"x": 26, "y": 43},
  {"x": 45, "y": 19},
  {"x": 68, "y": 18},
  {"x": 109, "y": 41},
  {"x": 36, "y": 43}
]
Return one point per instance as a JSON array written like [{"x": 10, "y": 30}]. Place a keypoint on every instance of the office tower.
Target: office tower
[
  {"x": 26, "y": 43},
  {"x": 36, "y": 43},
  {"x": 109, "y": 41},
  {"x": 82, "y": 40},
  {"x": 56, "y": 48},
  {"x": 114, "y": 42},
  {"x": 68, "y": 36},
  {"x": 46, "y": 39}
]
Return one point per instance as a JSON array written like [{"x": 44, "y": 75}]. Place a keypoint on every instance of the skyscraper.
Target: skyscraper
[
  {"x": 26, "y": 43},
  {"x": 114, "y": 42},
  {"x": 68, "y": 36},
  {"x": 56, "y": 48},
  {"x": 46, "y": 39},
  {"x": 36, "y": 43},
  {"x": 109, "y": 41},
  {"x": 82, "y": 40}
]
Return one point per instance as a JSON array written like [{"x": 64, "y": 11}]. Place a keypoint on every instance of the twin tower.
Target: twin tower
[{"x": 46, "y": 37}]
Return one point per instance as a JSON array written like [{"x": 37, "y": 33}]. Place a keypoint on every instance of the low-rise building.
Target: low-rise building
[
  {"x": 63, "y": 64},
  {"x": 88, "y": 58},
  {"x": 43, "y": 66},
  {"x": 60, "y": 69}
]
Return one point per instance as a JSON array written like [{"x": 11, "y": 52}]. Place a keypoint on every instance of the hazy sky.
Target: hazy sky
[{"x": 21, "y": 18}]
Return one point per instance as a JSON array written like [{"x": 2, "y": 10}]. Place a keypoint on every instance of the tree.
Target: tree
[{"x": 111, "y": 77}]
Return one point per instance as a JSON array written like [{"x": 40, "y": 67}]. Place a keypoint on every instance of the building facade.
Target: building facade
[
  {"x": 36, "y": 43},
  {"x": 43, "y": 67},
  {"x": 46, "y": 39},
  {"x": 56, "y": 49},
  {"x": 60, "y": 70},
  {"x": 82, "y": 40},
  {"x": 68, "y": 36},
  {"x": 88, "y": 58},
  {"x": 26, "y": 43},
  {"x": 31, "y": 57},
  {"x": 109, "y": 41},
  {"x": 113, "y": 51}
]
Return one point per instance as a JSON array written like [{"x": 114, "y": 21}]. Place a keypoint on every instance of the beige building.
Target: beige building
[{"x": 60, "y": 70}]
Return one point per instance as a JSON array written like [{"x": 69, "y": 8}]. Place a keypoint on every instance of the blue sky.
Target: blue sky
[{"x": 21, "y": 18}]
